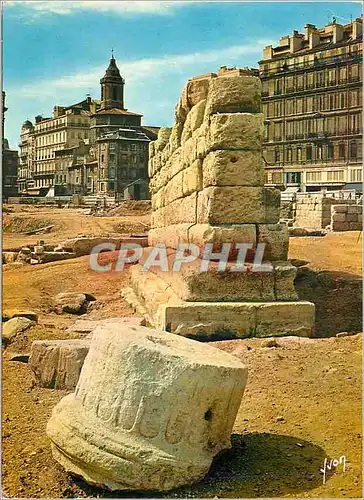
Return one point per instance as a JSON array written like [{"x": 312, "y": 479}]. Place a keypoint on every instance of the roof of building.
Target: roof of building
[
  {"x": 116, "y": 111},
  {"x": 134, "y": 135}
]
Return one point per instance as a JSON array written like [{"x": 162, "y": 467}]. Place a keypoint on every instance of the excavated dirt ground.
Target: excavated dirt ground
[{"x": 302, "y": 402}]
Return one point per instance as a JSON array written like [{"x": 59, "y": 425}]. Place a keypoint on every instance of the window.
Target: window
[
  {"x": 293, "y": 177},
  {"x": 314, "y": 176},
  {"x": 309, "y": 152},
  {"x": 319, "y": 153},
  {"x": 102, "y": 158},
  {"x": 276, "y": 155},
  {"x": 342, "y": 151},
  {"x": 330, "y": 151},
  {"x": 289, "y": 154},
  {"x": 335, "y": 175},
  {"x": 112, "y": 173},
  {"x": 299, "y": 154},
  {"x": 356, "y": 175},
  {"x": 132, "y": 147},
  {"x": 353, "y": 150},
  {"x": 112, "y": 157}
]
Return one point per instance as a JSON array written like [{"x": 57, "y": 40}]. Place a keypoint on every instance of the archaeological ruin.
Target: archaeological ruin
[
  {"x": 207, "y": 187},
  {"x": 150, "y": 410}
]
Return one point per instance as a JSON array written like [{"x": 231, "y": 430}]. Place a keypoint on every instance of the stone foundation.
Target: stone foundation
[{"x": 207, "y": 186}]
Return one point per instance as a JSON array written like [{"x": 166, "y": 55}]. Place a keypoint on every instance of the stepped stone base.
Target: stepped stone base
[{"x": 153, "y": 297}]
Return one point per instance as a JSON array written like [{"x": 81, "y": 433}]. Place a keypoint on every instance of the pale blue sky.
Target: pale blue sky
[{"x": 55, "y": 52}]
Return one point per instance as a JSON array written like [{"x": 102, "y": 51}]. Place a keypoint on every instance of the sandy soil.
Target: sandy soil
[
  {"x": 68, "y": 223},
  {"x": 315, "y": 385}
]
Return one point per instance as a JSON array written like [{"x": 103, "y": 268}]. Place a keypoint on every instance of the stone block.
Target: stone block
[
  {"x": 196, "y": 115},
  {"x": 285, "y": 318},
  {"x": 200, "y": 234},
  {"x": 14, "y": 327},
  {"x": 191, "y": 178},
  {"x": 339, "y": 217},
  {"x": 351, "y": 217},
  {"x": 238, "y": 205},
  {"x": 340, "y": 226},
  {"x": 57, "y": 364},
  {"x": 174, "y": 189},
  {"x": 354, "y": 209},
  {"x": 87, "y": 326},
  {"x": 355, "y": 226},
  {"x": 238, "y": 94},
  {"x": 208, "y": 320},
  {"x": 339, "y": 209},
  {"x": 233, "y": 168},
  {"x": 9, "y": 257},
  {"x": 284, "y": 274},
  {"x": 175, "y": 137},
  {"x": 197, "y": 90},
  {"x": 275, "y": 237},
  {"x": 360, "y": 217},
  {"x": 150, "y": 410},
  {"x": 171, "y": 236},
  {"x": 163, "y": 138},
  {"x": 236, "y": 131}
]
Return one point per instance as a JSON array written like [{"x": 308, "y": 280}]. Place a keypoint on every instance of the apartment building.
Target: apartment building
[
  {"x": 40, "y": 142},
  {"x": 312, "y": 102}
]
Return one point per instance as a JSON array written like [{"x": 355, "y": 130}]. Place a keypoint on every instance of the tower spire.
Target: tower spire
[{"x": 112, "y": 86}]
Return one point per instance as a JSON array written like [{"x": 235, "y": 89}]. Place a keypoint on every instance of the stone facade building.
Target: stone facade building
[
  {"x": 9, "y": 164},
  {"x": 92, "y": 147},
  {"x": 312, "y": 102},
  {"x": 40, "y": 142}
]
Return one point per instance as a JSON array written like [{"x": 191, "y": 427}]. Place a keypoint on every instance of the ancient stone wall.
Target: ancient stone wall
[
  {"x": 207, "y": 171},
  {"x": 346, "y": 217},
  {"x": 314, "y": 212}
]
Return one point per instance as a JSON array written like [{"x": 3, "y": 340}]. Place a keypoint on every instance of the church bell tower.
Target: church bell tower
[{"x": 112, "y": 87}]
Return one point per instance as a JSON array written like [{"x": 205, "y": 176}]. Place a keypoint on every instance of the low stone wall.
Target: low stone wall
[
  {"x": 314, "y": 212},
  {"x": 346, "y": 217}
]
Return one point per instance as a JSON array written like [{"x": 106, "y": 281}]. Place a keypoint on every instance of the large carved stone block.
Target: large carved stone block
[
  {"x": 237, "y": 94},
  {"x": 238, "y": 205},
  {"x": 150, "y": 411},
  {"x": 236, "y": 131},
  {"x": 233, "y": 168}
]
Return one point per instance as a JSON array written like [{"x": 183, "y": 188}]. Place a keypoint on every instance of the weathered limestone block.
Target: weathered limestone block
[
  {"x": 174, "y": 188},
  {"x": 236, "y": 131},
  {"x": 201, "y": 234},
  {"x": 150, "y": 410},
  {"x": 284, "y": 274},
  {"x": 240, "y": 204},
  {"x": 57, "y": 364},
  {"x": 340, "y": 226},
  {"x": 192, "y": 285},
  {"x": 180, "y": 211},
  {"x": 87, "y": 326},
  {"x": 233, "y": 168},
  {"x": 197, "y": 90},
  {"x": 70, "y": 302},
  {"x": 14, "y": 327},
  {"x": 175, "y": 137},
  {"x": 355, "y": 209},
  {"x": 170, "y": 236},
  {"x": 355, "y": 226},
  {"x": 275, "y": 237},
  {"x": 9, "y": 257},
  {"x": 238, "y": 94},
  {"x": 163, "y": 138},
  {"x": 84, "y": 246},
  {"x": 285, "y": 318},
  {"x": 338, "y": 209},
  {"x": 191, "y": 180},
  {"x": 339, "y": 217},
  {"x": 208, "y": 320}
]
